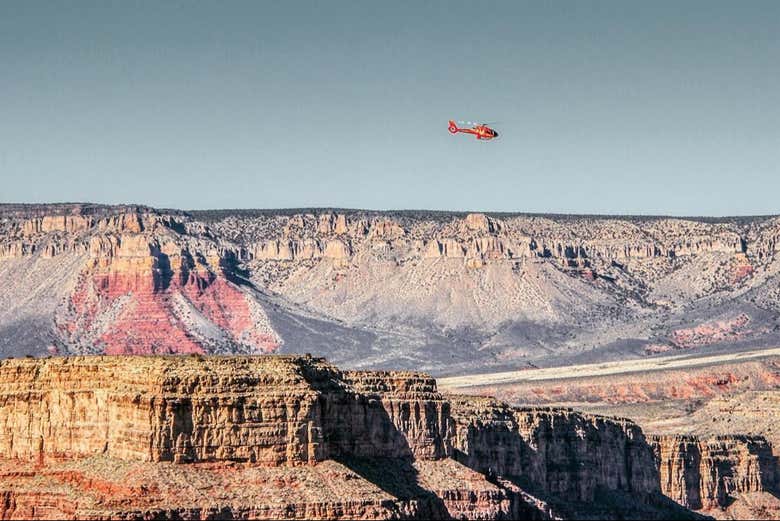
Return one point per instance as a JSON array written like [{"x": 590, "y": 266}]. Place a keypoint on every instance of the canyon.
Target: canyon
[
  {"x": 543, "y": 331},
  {"x": 258, "y": 437},
  {"x": 445, "y": 292},
  {"x": 291, "y": 436},
  {"x": 707, "y": 474}
]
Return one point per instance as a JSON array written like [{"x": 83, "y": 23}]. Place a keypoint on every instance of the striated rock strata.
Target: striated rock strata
[
  {"x": 707, "y": 472},
  {"x": 556, "y": 453},
  {"x": 384, "y": 289},
  {"x": 294, "y": 437}
]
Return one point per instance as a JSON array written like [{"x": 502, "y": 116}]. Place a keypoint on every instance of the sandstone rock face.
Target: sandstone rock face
[
  {"x": 704, "y": 473},
  {"x": 412, "y": 405},
  {"x": 140, "y": 409},
  {"x": 481, "y": 222},
  {"x": 292, "y": 436},
  {"x": 270, "y": 411},
  {"x": 562, "y": 453}
]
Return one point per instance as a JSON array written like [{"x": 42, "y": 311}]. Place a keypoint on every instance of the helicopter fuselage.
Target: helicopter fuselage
[{"x": 480, "y": 131}]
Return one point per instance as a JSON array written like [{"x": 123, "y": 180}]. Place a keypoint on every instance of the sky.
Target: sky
[{"x": 661, "y": 107}]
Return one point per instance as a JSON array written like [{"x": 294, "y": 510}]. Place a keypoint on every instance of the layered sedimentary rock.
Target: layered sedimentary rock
[
  {"x": 138, "y": 409},
  {"x": 271, "y": 411},
  {"x": 707, "y": 472},
  {"x": 588, "y": 238},
  {"x": 139, "y": 294},
  {"x": 309, "y": 235},
  {"x": 113, "y": 489},
  {"x": 291, "y": 437},
  {"x": 412, "y": 405},
  {"x": 560, "y": 452},
  {"x": 512, "y": 290},
  {"x": 144, "y": 286}
]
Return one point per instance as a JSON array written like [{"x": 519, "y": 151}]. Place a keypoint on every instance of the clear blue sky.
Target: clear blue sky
[{"x": 603, "y": 107}]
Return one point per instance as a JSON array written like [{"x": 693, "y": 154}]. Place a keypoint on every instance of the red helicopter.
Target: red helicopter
[{"x": 480, "y": 130}]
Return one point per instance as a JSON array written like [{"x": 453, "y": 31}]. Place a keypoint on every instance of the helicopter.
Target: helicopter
[{"x": 480, "y": 130}]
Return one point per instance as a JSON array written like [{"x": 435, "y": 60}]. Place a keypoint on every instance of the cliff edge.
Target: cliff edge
[{"x": 294, "y": 437}]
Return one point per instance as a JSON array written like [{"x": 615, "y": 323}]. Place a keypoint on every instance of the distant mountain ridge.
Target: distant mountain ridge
[
  {"x": 446, "y": 292},
  {"x": 84, "y": 208}
]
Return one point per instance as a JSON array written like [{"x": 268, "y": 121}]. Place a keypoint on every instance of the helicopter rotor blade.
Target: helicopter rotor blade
[{"x": 477, "y": 123}]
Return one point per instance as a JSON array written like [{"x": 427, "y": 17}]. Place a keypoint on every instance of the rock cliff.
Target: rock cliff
[
  {"x": 143, "y": 285},
  {"x": 270, "y": 411},
  {"x": 706, "y": 473},
  {"x": 383, "y": 289},
  {"x": 293, "y": 436},
  {"x": 556, "y": 453}
]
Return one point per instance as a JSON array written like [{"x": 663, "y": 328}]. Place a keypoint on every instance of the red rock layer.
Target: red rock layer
[
  {"x": 134, "y": 298},
  {"x": 653, "y": 386},
  {"x": 146, "y": 286},
  {"x": 712, "y": 332},
  {"x": 112, "y": 489}
]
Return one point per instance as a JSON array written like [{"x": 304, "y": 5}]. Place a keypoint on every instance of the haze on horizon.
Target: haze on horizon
[{"x": 604, "y": 108}]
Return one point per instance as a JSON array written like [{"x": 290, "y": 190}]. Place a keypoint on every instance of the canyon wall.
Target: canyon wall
[
  {"x": 706, "y": 472},
  {"x": 382, "y": 289},
  {"x": 558, "y": 451},
  {"x": 140, "y": 409},
  {"x": 265, "y": 410},
  {"x": 476, "y": 239},
  {"x": 150, "y": 432}
]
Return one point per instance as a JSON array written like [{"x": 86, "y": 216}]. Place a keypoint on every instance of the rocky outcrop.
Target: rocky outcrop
[
  {"x": 711, "y": 332},
  {"x": 280, "y": 411},
  {"x": 124, "y": 222},
  {"x": 560, "y": 452},
  {"x": 706, "y": 472},
  {"x": 292, "y": 436},
  {"x": 412, "y": 405},
  {"x": 145, "y": 286},
  {"x": 140, "y": 295},
  {"x": 153, "y": 409},
  {"x": 482, "y": 223}
]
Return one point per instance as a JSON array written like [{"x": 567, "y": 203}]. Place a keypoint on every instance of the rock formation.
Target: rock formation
[
  {"x": 555, "y": 452},
  {"x": 706, "y": 473},
  {"x": 292, "y": 436},
  {"x": 144, "y": 288},
  {"x": 514, "y": 290}
]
